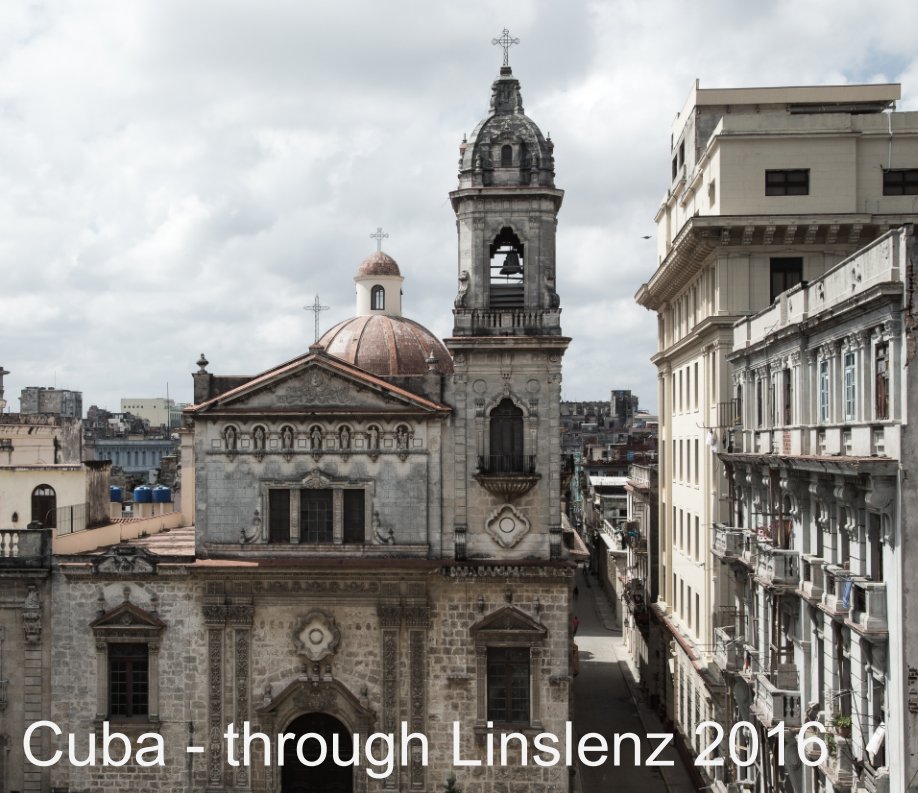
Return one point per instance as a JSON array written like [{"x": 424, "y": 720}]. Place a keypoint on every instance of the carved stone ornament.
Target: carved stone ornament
[
  {"x": 316, "y": 480},
  {"x": 316, "y": 635},
  {"x": 507, "y": 526},
  {"x": 125, "y": 560}
]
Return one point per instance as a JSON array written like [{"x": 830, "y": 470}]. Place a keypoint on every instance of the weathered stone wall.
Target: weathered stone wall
[
  {"x": 25, "y": 658},
  {"x": 425, "y": 673}
]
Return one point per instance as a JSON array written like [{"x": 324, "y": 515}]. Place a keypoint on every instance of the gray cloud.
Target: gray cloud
[{"x": 178, "y": 177}]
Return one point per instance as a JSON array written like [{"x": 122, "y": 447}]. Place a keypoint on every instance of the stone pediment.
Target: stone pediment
[
  {"x": 317, "y": 384},
  {"x": 130, "y": 617},
  {"x": 509, "y": 621}
]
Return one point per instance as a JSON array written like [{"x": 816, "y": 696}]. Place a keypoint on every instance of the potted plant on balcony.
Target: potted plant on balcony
[{"x": 842, "y": 725}]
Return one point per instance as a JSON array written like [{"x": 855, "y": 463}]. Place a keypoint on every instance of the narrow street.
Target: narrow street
[{"x": 604, "y": 703}]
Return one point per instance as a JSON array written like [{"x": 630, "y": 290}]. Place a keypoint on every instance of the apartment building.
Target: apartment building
[
  {"x": 812, "y": 556},
  {"x": 771, "y": 187}
]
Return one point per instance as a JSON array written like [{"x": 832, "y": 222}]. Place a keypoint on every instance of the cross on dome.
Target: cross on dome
[
  {"x": 379, "y": 236},
  {"x": 506, "y": 41}
]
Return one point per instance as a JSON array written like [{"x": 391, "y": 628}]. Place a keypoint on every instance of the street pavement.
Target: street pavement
[{"x": 607, "y": 701}]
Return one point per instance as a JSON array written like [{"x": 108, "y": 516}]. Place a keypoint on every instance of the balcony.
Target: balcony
[
  {"x": 750, "y": 551},
  {"x": 868, "y": 608},
  {"x": 840, "y": 766},
  {"x": 507, "y": 476},
  {"x": 24, "y": 547},
  {"x": 777, "y": 700},
  {"x": 813, "y": 582},
  {"x": 836, "y": 600},
  {"x": 728, "y": 649},
  {"x": 728, "y": 542},
  {"x": 777, "y": 568}
]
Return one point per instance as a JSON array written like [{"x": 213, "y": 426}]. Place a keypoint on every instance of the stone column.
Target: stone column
[
  {"x": 33, "y": 681},
  {"x": 390, "y": 620},
  {"x": 418, "y": 621},
  {"x": 215, "y": 621},
  {"x": 240, "y": 617}
]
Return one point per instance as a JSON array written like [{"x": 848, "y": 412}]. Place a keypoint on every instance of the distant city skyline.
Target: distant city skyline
[{"x": 185, "y": 179}]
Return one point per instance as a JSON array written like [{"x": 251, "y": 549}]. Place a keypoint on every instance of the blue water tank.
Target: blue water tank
[
  {"x": 115, "y": 494},
  {"x": 162, "y": 494},
  {"x": 143, "y": 494}
]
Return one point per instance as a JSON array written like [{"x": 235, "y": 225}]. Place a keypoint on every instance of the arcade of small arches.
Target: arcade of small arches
[{"x": 316, "y": 437}]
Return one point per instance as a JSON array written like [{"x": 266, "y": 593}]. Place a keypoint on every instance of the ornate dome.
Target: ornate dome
[
  {"x": 378, "y": 263},
  {"x": 386, "y": 345},
  {"x": 507, "y": 147}
]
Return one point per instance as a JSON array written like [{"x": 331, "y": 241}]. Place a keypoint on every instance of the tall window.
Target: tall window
[
  {"x": 759, "y": 403},
  {"x": 377, "y": 298},
  {"x": 506, "y": 435},
  {"x": 788, "y": 397},
  {"x": 354, "y": 520},
  {"x": 506, "y": 156},
  {"x": 785, "y": 272},
  {"x": 44, "y": 506},
  {"x": 128, "y": 680},
  {"x": 790, "y": 182},
  {"x": 316, "y": 512},
  {"x": 900, "y": 181},
  {"x": 823, "y": 391},
  {"x": 508, "y": 685},
  {"x": 278, "y": 515},
  {"x": 881, "y": 381},
  {"x": 850, "y": 387}
]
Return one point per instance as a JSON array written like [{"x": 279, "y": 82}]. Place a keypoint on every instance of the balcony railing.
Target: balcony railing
[
  {"x": 25, "y": 547},
  {"x": 777, "y": 701},
  {"x": 836, "y": 600},
  {"x": 503, "y": 464},
  {"x": 813, "y": 580},
  {"x": 728, "y": 542},
  {"x": 71, "y": 518},
  {"x": 777, "y": 568},
  {"x": 507, "y": 475},
  {"x": 728, "y": 649},
  {"x": 868, "y": 607}
]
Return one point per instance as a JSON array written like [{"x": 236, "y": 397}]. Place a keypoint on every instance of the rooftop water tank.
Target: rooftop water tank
[
  {"x": 162, "y": 494},
  {"x": 115, "y": 493},
  {"x": 143, "y": 494}
]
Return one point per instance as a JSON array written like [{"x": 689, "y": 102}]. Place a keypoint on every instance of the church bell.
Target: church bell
[{"x": 511, "y": 265}]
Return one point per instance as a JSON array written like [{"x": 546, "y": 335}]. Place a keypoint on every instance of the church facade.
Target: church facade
[{"x": 377, "y": 543}]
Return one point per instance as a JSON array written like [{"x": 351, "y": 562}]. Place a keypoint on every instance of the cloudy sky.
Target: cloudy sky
[{"x": 183, "y": 177}]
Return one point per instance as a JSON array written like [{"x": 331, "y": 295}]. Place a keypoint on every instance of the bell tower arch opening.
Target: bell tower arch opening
[
  {"x": 506, "y": 271},
  {"x": 326, "y": 776}
]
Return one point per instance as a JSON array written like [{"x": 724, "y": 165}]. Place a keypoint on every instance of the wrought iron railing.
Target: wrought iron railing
[{"x": 506, "y": 464}]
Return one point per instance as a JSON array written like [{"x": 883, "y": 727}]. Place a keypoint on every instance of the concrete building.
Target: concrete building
[
  {"x": 813, "y": 555},
  {"x": 377, "y": 533},
  {"x": 159, "y": 411},
  {"x": 51, "y": 401},
  {"x": 771, "y": 187},
  {"x": 134, "y": 455}
]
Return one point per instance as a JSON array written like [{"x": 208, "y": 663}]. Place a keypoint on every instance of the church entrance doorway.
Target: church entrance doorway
[{"x": 327, "y": 777}]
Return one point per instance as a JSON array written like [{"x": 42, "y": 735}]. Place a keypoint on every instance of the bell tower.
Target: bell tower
[{"x": 507, "y": 343}]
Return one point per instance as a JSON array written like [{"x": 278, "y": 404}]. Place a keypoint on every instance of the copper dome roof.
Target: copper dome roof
[
  {"x": 378, "y": 263},
  {"x": 386, "y": 345}
]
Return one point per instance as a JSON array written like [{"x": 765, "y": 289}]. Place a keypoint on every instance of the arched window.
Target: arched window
[
  {"x": 44, "y": 506},
  {"x": 506, "y": 156},
  {"x": 378, "y": 298},
  {"x": 506, "y": 454}
]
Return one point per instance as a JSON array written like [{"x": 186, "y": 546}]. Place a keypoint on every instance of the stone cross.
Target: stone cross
[
  {"x": 315, "y": 308},
  {"x": 379, "y": 236},
  {"x": 506, "y": 41}
]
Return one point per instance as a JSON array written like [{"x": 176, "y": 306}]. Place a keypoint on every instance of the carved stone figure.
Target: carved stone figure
[
  {"x": 229, "y": 439},
  {"x": 344, "y": 437},
  {"x": 382, "y": 534},
  {"x": 401, "y": 437},
  {"x": 315, "y": 438},
  {"x": 287, "y": 438},
  {"x": 463, "y": 289},
  {"x": 259, "y": 438},
  {"x": 373, "y": 437}
]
